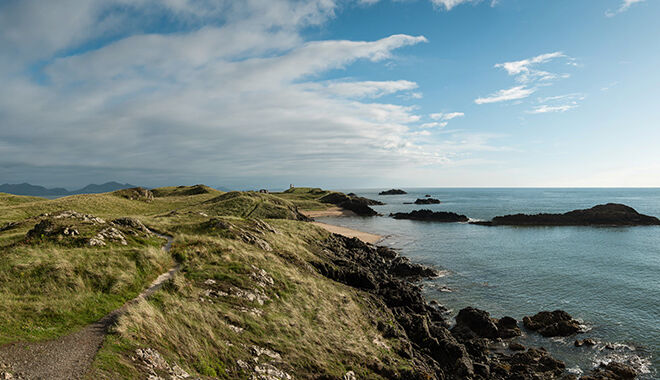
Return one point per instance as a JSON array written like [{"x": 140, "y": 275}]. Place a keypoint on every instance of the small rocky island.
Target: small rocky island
[
  {"x": 428, "y": 215},
  {"x": 611, "y": 214},
  {"x": 427, "y": 201},
  {"x": 392, "y": 192},
  {"x": 352, "y": 202}
]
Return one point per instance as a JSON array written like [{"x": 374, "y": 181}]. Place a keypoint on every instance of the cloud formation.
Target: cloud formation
[
  {"x": 625, "y": 5},
  {"x": 230, "y": 92},
  {"x": 514, "y": 93},
  {"x": 530, "y": 79}
]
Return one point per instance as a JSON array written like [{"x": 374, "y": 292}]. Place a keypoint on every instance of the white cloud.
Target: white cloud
[
  {"x": 368, "y": 89},
  {"x": 625, "y": 5},
  {"x": 524, "y": 71},
  {"x": 546, "y": 108},
  {"x": 211, "y": 100},
  {"x": 446, "y": 116},
  {"x": 449, "y": 4},
  {"x": 514, "y": 93},
  {"x": 434, "y": 124}
]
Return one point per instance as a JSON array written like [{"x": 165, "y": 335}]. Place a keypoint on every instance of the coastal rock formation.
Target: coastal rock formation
[
  {"x": 611, "y": 214},
  {"x": 434, "y": 351},
  {"x": 472, "y": 323},
  {"x": 556, "y": 323},
  {"x": 392, "y": 192},
  {"x": 427, "y": 201},
  {"x": 358, "y": 205},
  {"x": 611, "y": 371},
  {"x": 428, "y": 215}
]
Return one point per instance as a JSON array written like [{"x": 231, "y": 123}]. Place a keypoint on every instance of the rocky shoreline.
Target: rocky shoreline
[{"x": 469, "y": 349}]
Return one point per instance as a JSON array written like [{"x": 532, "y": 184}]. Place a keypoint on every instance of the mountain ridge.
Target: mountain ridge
[{"x": 36, "y": 190}]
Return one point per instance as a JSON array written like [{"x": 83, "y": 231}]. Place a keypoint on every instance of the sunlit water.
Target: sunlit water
[{"x": 608, "y": 277}]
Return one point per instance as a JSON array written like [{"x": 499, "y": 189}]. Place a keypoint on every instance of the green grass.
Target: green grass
[{"x": 53, "y": 285}]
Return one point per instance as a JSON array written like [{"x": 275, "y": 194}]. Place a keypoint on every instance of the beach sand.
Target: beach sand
[
  {"x": 332, "y": 211},
  {"x": 348, "y": 232}
]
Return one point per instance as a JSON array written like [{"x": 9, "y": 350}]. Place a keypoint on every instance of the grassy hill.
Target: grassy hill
[{"x": 246, "y": 299}]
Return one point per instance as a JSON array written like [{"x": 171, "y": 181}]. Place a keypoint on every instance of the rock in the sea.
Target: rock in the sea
[
  {"x": 358, "y": 205},
  {"x": 427, "y": 201},
  {"x": 556, "y": 323},
  {"x": 472, "y": 322},
  {"x": 586, "y": 342},
  {"x": 611, "y": 371},
  {"x": 611, "y": 214},
  {"x": 403, "y": 267},
  {"x": 392, "y": 192},
  {"x": 428, "y": 215},
  {"x": 515, "y": 346}
]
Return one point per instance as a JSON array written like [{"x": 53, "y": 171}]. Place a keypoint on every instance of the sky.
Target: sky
[{"x": 331, "y": 93}]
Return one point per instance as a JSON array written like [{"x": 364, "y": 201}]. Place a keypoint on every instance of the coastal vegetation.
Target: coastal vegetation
[{"x": 255, "y": 292}]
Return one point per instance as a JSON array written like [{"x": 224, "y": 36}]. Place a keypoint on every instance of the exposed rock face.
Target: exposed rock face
[
  {"x": 157, "y": 367},
  {"x": 358, "y": 205},
  {"x": 611, "y": 371},
  {"x": 392, "y": 192},
  {"x": 427, "y": 201},
  {"x": 428, "y": 215},
  {"x": 109, "y": 234},
  {"x": 420, "y": 327},
  {"x": 610, "y": 214},
  {"x": 472, "y": 323},
  {"x": 556, "y": 323},
  {"x": 136, "y": 194},
  {"x": 132, "y": 224}
]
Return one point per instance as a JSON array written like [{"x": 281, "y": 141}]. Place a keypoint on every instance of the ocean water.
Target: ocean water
[{"x": 608, "y": 277}]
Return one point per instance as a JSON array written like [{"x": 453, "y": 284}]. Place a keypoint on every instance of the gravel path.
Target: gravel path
[{"x": 68, "y": 357}]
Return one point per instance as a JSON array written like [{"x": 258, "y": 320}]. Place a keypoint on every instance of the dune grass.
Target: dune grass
[{"x": 246, "y": 294}]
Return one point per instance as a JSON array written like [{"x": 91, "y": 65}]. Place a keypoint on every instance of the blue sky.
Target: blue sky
[{"x": 333, "y": 93}]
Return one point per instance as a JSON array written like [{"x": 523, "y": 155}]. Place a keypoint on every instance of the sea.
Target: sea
[{"x": 606, "y": 277}]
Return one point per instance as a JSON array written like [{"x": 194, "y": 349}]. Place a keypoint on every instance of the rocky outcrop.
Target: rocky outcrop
[
  {"x": 427, "y": 201},
  {"x": 392, "y": 192},
  {"x": 421, "y": 328},
  {"x": 136, "y": 194},
  {"x": 611, "y": 371},
  {"x": 474, "y": 323},
  {"x": 610, "y": 214},
  {"x": 358, "y": 205},
  {"x": 428, "y": 215},
  {"x": 556, "y": 323}
]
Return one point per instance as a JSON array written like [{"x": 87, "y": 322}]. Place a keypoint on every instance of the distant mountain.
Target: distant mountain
[
  {"x": 27, "y": 189},
  {"x": 40, "y": 191},
  {"x": 104, "y": 188}
]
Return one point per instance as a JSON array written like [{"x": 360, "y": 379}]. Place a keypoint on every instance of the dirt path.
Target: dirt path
[{"x": 68, "y": 357}]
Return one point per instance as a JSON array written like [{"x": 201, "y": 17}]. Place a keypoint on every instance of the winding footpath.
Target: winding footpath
[{"x": 70, "y": 356}]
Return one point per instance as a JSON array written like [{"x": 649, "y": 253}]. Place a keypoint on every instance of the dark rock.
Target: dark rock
[
  {"x": 402, "y": 267},
  {"x": 358, "y": 205},
  {"x": 508, "y": 328},
  {"x": 586, "y": 342},
  {"x": 428, "y": 215},
  {"x": 427, "y": 201},
  {"x": 392, "y": 192},
  {"x": 610, "y": 214},
  {"x": 611, "y": 371},
  {"x": 427, "y": 196},
  {"x": 476, "y": 321},
  {"x": 556, "y": 323},
  {"x": 44, "y": 228},
  {"x": 514, "y": 346}
]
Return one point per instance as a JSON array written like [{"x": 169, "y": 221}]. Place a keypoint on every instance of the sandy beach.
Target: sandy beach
[
  {"x": 332, "y": 211},
  {"x": 348, "y": 232}
]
